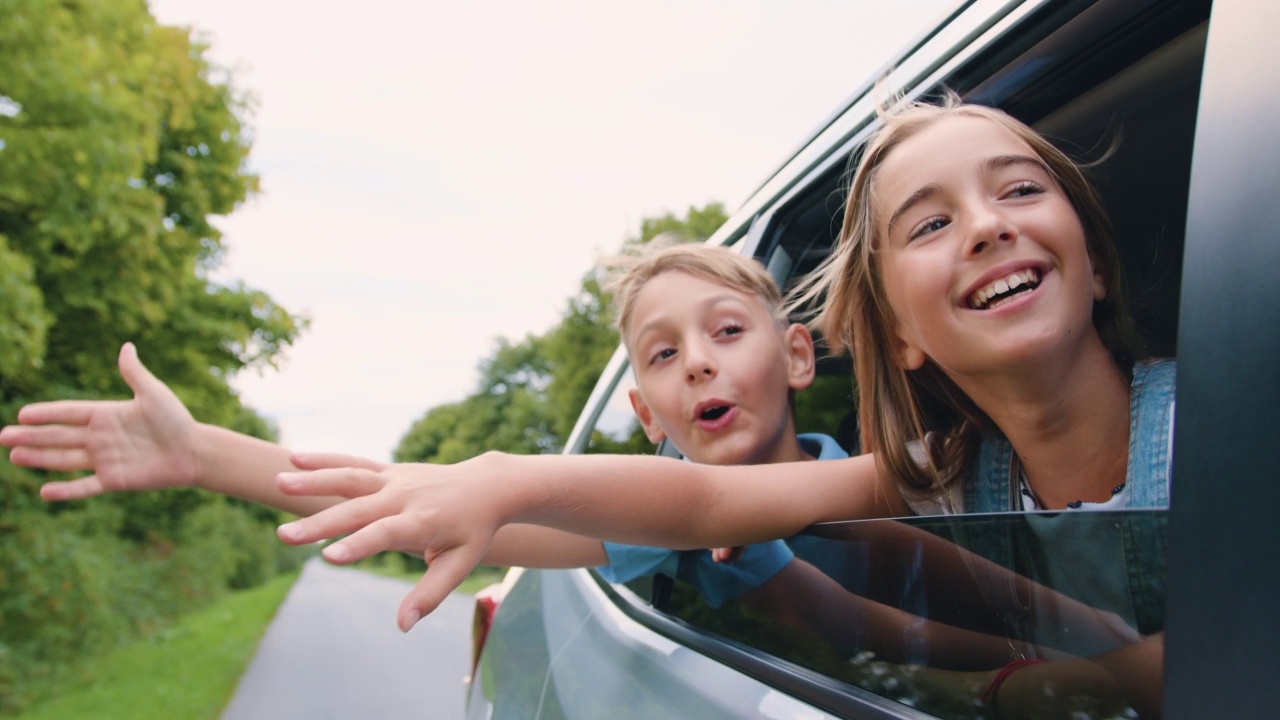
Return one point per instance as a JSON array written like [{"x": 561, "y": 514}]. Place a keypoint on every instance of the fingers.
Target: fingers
[
  {"x": 45, "y": 436},
  {"x": 67, "y": 459},
  {"x": 321, "y": 461},
  {"x": 342, "y": 481},
  {"x": 728, "y": 555},
  {"x": 379, "y": 536},
  {"x": 444, "y": 574},
  {"x": 80, "y": 489},
  {"x": 338, "y": 520},
  {"x": 66, "y": 412}
]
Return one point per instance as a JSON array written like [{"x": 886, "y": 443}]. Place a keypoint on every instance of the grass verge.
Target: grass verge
[{"x": 187, "y": 671}]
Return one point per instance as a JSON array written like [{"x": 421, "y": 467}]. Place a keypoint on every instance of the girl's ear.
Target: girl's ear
[
  {"x": 652, "y": 429},
  {"x": 906, "y": 355},
  {"x": 801, "y": 356},
  {"x": 1099, "y": 286}
]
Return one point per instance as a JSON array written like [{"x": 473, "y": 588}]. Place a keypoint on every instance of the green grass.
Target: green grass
[{"x": 187, "y": 671}]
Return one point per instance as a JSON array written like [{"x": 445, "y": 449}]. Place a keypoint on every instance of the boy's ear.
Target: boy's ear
[
  {"x": 801, "y": 356},
  {"x": 652, "y": 430}
]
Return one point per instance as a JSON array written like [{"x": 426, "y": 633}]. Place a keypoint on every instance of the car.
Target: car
[{"x": 1171, "y": 103}]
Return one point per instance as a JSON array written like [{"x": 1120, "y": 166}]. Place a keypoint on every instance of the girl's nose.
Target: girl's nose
[{"x": 988, "y": 226}]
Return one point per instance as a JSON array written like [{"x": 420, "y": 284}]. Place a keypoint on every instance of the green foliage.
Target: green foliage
[
  {"x": 530, "y": 393},
  {"x": 119, "y": 144},
  {"x": 142, "y": 679}
]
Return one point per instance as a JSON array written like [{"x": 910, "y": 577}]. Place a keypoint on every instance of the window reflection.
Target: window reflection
[{"x": 928, "y": 611}]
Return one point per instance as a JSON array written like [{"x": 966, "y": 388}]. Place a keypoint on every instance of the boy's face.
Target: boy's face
[{"x": 714, "y": 371}]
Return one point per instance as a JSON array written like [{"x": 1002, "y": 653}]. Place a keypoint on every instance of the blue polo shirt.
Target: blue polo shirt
[{"x": 716, "y": 582}]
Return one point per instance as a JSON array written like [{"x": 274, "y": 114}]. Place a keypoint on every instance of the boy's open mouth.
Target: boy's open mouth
[
  {"x": 995, "y": 293},
  {"x": 715, "y": 412}
]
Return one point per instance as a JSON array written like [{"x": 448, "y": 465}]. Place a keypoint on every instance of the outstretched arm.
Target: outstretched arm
[
  {"x": 453, "y": 511},
  {"x": 147, "y": 443}
]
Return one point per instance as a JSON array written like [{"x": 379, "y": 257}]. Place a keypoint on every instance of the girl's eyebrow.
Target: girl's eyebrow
[
  {"x": 917, "y": 197},
  {"x": 999, "y": 162}
]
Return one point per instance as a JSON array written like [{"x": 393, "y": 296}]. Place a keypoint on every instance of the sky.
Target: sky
[{"x": 436, "y": 175}]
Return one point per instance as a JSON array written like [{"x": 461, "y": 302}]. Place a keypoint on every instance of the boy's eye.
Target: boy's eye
[
  {"x": 661, "y": 355},
  {"x": 931, "y": 225}
]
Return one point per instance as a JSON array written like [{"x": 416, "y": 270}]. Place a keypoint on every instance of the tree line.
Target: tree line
[{"x": 120, "y": 142}]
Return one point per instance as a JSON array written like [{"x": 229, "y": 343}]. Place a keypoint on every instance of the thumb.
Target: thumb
[{"x": 135, "y": 374}]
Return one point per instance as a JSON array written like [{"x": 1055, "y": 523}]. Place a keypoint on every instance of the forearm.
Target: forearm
[
  {"x": 646, "y": 500},
  {"x": 240, "y": 466},
  {"x": 543, "y": 547}
]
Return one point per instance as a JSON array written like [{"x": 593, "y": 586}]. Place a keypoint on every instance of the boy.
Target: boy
[{"x": 715, "y": 364}]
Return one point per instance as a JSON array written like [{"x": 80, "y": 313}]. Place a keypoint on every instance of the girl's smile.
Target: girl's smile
[{"x": 983, "y": 255}]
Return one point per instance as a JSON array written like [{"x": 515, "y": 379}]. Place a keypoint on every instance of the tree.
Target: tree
[{"x": 119, "y": 144}]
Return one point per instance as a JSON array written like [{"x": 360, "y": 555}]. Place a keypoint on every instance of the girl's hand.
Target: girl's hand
[
  {"x": 443, "y": 512},
  {"x": 141, "y": 444}
]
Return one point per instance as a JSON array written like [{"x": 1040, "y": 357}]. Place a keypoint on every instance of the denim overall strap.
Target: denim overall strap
[
  {"x": 1150, "y": 422},
  {"x": 1150, "y": 460},
  {"x": 987, "y": 486}
]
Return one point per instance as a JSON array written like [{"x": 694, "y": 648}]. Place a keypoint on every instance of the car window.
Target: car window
[
  {"x": 920, "y": 610},
  {"x": 617, "y": 430}
]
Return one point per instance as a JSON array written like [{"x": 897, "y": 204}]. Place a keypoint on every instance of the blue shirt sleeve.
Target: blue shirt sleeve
[{"x": 716, "y": 582}]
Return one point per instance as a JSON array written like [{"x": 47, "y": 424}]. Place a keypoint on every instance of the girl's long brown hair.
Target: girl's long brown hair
[{"x": 898, "y": 407}]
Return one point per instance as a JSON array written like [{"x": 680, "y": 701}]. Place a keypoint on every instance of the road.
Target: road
[{"x": 333, "y": 651}]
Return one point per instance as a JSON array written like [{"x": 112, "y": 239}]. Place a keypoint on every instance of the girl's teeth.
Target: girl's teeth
[{"x": 1003, "y": 285}]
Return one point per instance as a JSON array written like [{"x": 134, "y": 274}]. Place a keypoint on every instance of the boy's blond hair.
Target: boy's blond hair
[{"x": 719, "y": 265}]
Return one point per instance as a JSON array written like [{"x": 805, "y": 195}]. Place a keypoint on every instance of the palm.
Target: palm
[{"x": 139, "y": 444}]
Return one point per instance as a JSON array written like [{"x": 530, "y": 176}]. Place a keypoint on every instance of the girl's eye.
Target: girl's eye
[
  {"x": 1025, "y": 188},
  {"x": 931, "y": 225},
  {"x": 730, "y": 330},
  {"x": 661, "y": 355}
]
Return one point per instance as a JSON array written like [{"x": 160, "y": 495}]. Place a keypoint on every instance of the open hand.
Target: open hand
[
  {"x": 139, "y": 444},
  {"x": 416, "y": 508}
]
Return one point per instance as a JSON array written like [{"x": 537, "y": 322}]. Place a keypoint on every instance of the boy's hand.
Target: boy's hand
[
  {"x": 141, "y": 444},
  {"x": 415, "y": 508},
  {"x": 727, "y": 555}
]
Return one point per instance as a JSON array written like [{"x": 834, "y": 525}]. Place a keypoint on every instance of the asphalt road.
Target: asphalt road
[{"x": 333, "y": 651}]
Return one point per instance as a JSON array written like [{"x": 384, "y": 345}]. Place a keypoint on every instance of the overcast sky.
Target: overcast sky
[{"x": 439, "y": 174}]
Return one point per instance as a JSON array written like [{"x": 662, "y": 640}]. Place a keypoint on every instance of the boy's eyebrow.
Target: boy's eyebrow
[
  {"x": 713, "y": 300},
  {"x": 999, "y": 162}
]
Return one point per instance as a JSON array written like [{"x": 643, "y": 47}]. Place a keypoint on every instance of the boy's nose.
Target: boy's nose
[{"x": 698, "y": 364}]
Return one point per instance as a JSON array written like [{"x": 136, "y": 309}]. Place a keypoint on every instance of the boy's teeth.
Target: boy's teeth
[{"x": 1012, "y": 281}]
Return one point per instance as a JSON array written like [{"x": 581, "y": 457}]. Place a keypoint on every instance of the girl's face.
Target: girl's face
[{"x": 983, "y": 256}]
